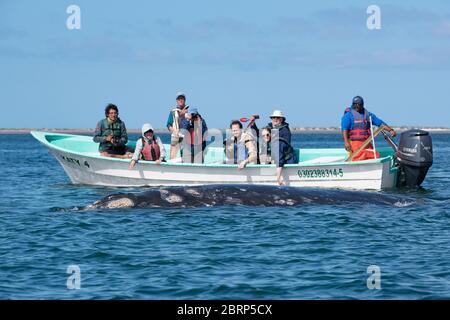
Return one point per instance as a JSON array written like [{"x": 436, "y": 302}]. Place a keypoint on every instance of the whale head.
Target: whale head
[{"x": 114, "y": 201}]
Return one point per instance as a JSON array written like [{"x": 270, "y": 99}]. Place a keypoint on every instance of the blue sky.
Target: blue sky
[{"x": 232, "y": 58}]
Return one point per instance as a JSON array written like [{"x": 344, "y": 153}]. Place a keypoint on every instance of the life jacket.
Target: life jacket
[
  {"x": 114, "y": 128},
  {"x": 240, "y": 151},
  {"x": 361, "y": 125},
  {"x": 196, "y": 136},
  {"x": 235, "y": 150},
  {"x": 150, "y": 150}
]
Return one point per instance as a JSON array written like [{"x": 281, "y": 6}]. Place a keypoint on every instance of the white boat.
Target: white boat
[{"x": 79, "y": 157}]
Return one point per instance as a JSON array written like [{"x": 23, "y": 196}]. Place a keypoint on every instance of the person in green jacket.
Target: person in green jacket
[{"x": 111, "y": 133}]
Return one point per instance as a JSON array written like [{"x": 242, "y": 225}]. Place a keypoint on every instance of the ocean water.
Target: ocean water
[{"x": 230, "y": 252}]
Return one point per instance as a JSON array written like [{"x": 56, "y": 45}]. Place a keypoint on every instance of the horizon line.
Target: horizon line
[{"x": 165, "y": 130}]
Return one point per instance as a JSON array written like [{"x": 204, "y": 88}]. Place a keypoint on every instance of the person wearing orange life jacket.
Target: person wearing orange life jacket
[
  {"x": 148, "y": 147},
  {"x": 355, "y": 126}
]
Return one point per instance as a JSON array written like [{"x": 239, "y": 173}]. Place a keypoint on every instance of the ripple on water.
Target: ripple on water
[{"x": 227, "y": 252}]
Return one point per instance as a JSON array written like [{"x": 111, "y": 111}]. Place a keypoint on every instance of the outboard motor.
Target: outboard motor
[{"x": 415, "y": 157}]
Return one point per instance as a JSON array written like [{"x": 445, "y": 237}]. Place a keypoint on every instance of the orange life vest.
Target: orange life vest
[
  {"x": 150, "y": 150},
  {"x": 361, "y": 125}
]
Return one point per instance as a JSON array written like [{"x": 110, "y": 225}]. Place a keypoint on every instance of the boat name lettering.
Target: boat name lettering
[
  {"x": 320, "y": 173},
  {"x": 71, "y": 160}
]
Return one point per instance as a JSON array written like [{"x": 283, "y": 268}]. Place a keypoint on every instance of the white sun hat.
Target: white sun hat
[{"x": 277, "y": 113}]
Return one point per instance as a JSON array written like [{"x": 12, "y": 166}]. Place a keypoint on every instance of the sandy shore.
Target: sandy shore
[{"x": 159, "y": 131}]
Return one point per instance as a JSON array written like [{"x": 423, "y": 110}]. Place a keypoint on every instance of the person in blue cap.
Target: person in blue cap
[
  {"x": 356, "y": 128},
  {"x": 196, "y": 126}
]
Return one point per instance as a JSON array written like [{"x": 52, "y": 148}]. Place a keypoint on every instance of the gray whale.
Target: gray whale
[{"x": 247, "y": 195}]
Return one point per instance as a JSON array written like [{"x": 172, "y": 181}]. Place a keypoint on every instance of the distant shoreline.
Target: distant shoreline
[{"x": 331, "y": 130}]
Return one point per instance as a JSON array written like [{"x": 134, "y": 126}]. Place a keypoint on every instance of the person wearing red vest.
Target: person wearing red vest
[
  {"x": 149, "y": 147},
  {"x": 355, "y": 126}
]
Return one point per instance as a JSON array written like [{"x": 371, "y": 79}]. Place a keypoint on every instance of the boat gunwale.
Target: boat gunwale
[{"x": 41, "y": 137}]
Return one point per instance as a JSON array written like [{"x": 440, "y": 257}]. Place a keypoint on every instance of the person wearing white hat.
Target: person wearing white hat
[
  {"x": 277, "y": 114},
  {"x": 148, "y": 147},
  {"x": 281, "y": 134},
  {"x": 176, "y": 117}
]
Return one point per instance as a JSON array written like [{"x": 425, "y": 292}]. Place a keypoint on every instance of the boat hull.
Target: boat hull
[{"x": 102, "y": 171}]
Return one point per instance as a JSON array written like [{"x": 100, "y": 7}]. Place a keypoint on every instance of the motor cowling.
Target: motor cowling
[{"x": 415, "y": 157}]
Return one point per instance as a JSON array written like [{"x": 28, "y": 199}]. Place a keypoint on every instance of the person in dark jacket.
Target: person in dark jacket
[
  {"x": 281, "y": 135},
  {"x": 196, "y": 126},
  {"x": 111, "y": 133}
]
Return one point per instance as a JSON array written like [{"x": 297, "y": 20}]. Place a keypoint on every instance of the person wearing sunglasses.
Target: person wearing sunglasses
[
  {"x": 281, "y": 135},
  {"x": 111, "y": 134},
  {"x": 265, "y": 156}
]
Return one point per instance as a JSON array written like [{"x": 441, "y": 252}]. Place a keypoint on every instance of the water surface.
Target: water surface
[{"x": 228, "y": 252}]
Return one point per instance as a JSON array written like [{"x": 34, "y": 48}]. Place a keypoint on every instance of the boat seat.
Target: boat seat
[{"x": 214, "y": 155}]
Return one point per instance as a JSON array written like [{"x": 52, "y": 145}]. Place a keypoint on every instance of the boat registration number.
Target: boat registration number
[{"x": 320, "y": 173}]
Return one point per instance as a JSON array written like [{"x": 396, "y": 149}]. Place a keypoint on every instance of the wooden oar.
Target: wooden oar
[
  {"x": 373, "y": 139},
  {"x": 365, "y": 143}
]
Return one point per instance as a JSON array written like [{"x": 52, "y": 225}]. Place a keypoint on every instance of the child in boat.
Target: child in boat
[{"x": 148, "y": 147}]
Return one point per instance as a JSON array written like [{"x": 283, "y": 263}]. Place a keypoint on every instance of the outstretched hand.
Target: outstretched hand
[
  {"x": 348, "y": 146},
  {"x": 393, "y": 133}
]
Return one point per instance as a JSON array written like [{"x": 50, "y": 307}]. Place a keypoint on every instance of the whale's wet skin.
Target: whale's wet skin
[{"x": 219, "y": 195}]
